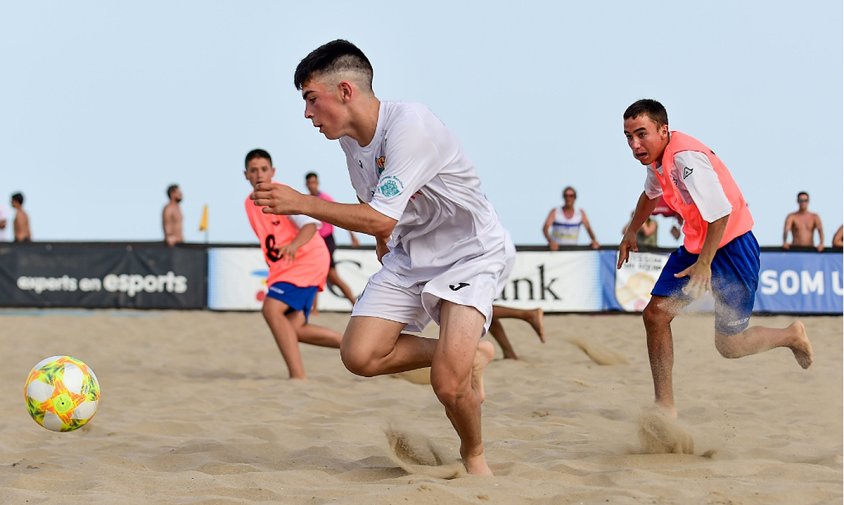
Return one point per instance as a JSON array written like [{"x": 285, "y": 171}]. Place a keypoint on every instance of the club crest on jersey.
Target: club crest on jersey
[
  {"x": 390, "y": 186},
  {"x": 379, "y": 163}
]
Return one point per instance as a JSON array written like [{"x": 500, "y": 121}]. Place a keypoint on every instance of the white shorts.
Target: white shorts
[{"x": 474, "y": 282}]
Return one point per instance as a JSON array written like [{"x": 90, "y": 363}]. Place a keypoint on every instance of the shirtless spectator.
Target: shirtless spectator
[
  {"x": 21, "y": 223},
  {"x": 838, "y": 238},
  {"x": 171, "y": 217},
  {"x": 802, "y": 225}
]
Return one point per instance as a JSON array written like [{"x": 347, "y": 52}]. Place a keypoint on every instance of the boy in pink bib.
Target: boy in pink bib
[
  {"x": 719, "y": 252},
  {"x": 298, "y": 261}
]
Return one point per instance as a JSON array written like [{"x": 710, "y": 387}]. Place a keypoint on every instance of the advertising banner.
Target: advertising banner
[
  {"x": 800, "y": 282},
  {"x": 102, "y": 276},
  {"x": 789, "y": 282},
  {"x": 563, "y": 282},
  {"x": 237, "y": 278}
]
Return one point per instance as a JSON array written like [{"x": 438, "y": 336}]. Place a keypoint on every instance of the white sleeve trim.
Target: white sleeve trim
[{"x": 701, "y": 181}]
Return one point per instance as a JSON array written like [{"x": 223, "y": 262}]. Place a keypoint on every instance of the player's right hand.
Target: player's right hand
[{"x": 628, "y": 243}]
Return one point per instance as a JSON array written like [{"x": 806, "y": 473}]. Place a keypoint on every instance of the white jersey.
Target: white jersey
[
  {"x": 415, "y": 171},
  {"x": 704, "y": 189},
  {"x": 564, "y": 230}
]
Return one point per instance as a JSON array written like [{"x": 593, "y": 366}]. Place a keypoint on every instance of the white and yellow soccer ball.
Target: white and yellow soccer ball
[{"x": 62, "y": 393}]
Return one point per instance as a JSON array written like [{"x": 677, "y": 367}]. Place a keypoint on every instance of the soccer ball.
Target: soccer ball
[{"x": 61, "y": 393}]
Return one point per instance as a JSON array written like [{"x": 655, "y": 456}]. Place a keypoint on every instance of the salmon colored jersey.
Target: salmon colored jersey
[
  {"x": 694, "y": 226},
  {"x": 310, "y": 268},
  {"x": 327, "y": 228}
]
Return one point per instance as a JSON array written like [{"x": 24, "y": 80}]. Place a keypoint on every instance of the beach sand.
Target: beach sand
[{"x": 196, "y": 409}]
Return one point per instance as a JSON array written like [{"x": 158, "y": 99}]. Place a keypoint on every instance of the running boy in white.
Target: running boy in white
[{"x": 444, "y": 252}]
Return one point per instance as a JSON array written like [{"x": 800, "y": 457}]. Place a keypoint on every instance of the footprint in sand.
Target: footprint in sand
[{"x": 598, "y": 353}]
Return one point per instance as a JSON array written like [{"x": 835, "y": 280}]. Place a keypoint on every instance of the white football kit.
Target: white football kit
[{"x": 448, "y": 243}]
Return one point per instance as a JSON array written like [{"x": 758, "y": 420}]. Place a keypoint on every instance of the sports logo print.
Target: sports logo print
[{"x": 390, "y": 186}]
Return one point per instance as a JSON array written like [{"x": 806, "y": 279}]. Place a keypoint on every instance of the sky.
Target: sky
[{"x": 104, "y": 104}]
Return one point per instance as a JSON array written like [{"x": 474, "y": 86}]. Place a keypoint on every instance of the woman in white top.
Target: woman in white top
[{"x": 562, "y": 226}]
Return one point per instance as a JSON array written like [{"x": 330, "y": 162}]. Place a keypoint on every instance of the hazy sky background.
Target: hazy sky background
[{"x": 103, "y": 104}]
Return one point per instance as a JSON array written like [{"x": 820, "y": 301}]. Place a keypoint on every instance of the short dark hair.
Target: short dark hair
[
  {"x": 802, "y": 193},
  {"x": 18, "y": 197},
  {"x": 650, "y": 108},
  {"x": 311, "y": 174},
  {"x": 335, "y": 56},
  {"x": 170, "y": 189},
  {"x": 567, "y": 188},
  {"x": 257, "y": 153}
]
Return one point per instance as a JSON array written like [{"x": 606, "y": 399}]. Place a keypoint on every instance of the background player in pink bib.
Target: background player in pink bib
[
  {"x": 719, "y": 252},
  {"x": 298, "y": 261}
]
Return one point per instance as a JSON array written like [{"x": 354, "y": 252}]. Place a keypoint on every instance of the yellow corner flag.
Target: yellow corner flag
[{"x": 203, "y": 221}]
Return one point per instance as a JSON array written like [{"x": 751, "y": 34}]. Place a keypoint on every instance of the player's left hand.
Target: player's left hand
[
  {"x": 700, "y": 279},
  {"x": 275, "y": 198}
]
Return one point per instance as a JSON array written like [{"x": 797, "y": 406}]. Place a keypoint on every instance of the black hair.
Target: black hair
[
  {"x": 257, "y": 153},
  {"x": 170, "y": 189},
  {"x": 18, "y": 197},
  {"x": 311, "y": 174},
  {"x": 650, "y": 108},
  {"x": 334, "y": 56}
]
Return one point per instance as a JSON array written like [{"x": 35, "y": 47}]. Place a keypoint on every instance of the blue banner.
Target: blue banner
[
  {"x": 800, "y": 282},
  {"x": 789, "y": 282}
]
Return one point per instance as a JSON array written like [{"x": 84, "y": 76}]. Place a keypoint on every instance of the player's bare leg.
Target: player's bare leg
[
  {"x": 313, "y": 334},
  {"x": 483, "y": 355},
  {"x": 285, "y": 336},
  {"x": 758, "y": 339},
  {"x": 457, "y": 379},
  {"x": 496, "y": 329},
  {"x": 657, "y": 316},
  {"x": 536, "y": 320},
  {"x": 334, "y": 278},
  {"x": 534, "y": 317},
  {"x": 374, "y": 346}
]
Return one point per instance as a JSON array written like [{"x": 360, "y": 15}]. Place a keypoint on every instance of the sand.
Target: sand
[{"x": 196, "y": 409}]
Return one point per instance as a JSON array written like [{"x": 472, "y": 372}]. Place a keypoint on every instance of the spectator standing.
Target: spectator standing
[
  {"x": 562, "y": 226},
  {"x": 838, "y": 238},
  {"x": 22, "y": 231},
  {"x": 171, "y": 217},
  {"x": 802, "y": 225}
]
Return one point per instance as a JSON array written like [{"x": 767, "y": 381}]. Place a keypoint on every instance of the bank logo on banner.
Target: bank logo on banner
[{"x": 636, "y": 279}]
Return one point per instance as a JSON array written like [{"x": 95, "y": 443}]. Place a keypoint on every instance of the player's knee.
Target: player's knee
[
  {"x": 266, "y": 311},
  {"x": 448, "y": 389},
  {"x": 654, "y": 315},
  {"x": 356, "y": 362}
]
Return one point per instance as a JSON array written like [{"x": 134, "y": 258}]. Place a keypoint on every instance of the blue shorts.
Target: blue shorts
[
  {"x": 295, "y": 297},
  {"x": 735, "y": 276}
]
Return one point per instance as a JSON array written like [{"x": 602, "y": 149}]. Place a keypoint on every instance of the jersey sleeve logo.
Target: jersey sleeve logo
[
  {"x": 390, "y": 186},
  {"x": 687, "y": 171}
]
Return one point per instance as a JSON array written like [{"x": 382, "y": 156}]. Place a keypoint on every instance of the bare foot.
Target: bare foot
[
  {"x": 483, "y": 356},
  {"x": 476, "y": 465},
  {"x": 669, "y": 411},
  {"x": 536, "y": 321},
  {"x": 801, "y": 347}
]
